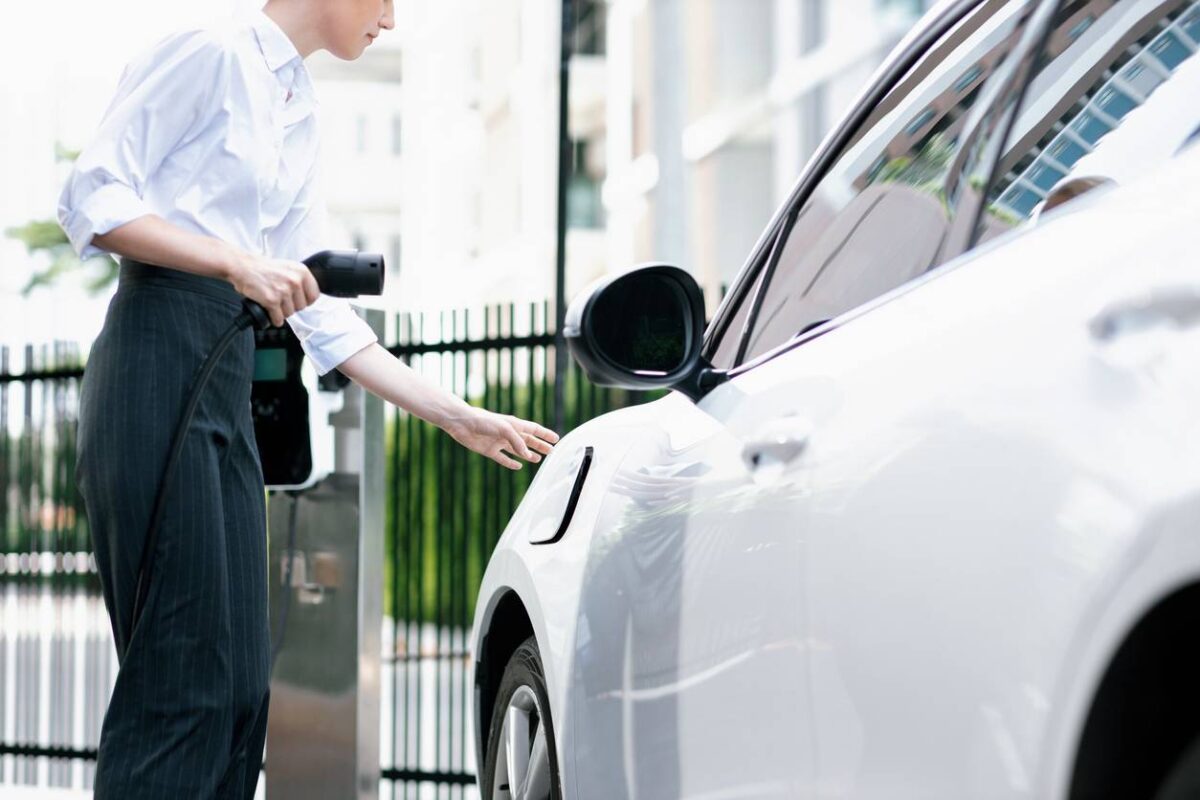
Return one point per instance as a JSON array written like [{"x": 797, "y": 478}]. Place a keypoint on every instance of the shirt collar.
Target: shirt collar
[
  {"x": 277, "y": 48},
  {"x": 284, "y": 60}
]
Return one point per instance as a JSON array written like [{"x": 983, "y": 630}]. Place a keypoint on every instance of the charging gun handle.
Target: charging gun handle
[{"x": 259, "y": 319}]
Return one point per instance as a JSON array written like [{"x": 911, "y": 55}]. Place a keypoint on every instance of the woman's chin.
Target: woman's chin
[{"x": 351, "y": 53}]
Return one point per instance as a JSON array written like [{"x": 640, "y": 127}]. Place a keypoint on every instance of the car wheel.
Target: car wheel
[
  {"x": 522, "y": 762},
  {"x": 1183, "y": 781}
]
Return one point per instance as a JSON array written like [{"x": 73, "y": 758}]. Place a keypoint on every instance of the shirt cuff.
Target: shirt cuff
[
  {"x": 109, "y": 207},
  {"x": 330, "y": 332}
]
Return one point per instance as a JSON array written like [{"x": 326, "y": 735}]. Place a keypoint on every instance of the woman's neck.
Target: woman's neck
[{"x": 297, "y": 20}]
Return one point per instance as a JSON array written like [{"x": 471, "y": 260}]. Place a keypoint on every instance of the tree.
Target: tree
[{"x": 46, "y": 236}]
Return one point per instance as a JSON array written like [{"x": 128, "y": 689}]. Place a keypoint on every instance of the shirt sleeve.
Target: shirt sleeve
[
  {"x": 328, "y": 330},
  {"x": 162, "y": 96}
]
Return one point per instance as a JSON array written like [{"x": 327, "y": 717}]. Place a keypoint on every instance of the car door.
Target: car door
[
  {"x": 693, "y": 645},
  {"x": 959, "y": 481}
]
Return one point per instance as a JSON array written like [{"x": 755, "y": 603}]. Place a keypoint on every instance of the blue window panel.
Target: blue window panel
[
  {"x": 1191, "y": 24},
  {"x": 1089, "y": 127},
  {"x": 1066, "y": 151},
  {"x": 1114, "y": 103},
  {"x": 920, "y": 122},
  {"x": 876, "y": 168},
  {"x": 1169, "y": 50},
  {"x": 1080, "y": 27},
  {"x": 969, "y": 77},
  {"x": 1020, "y": 200},
  {"x": 1141, "y": 78},
  {"x": 1043, "y": 176}
]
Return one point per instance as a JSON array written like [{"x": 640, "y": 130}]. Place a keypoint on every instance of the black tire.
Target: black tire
[
  {"x": 1183, "y": 781},
  {"x": 524, "y": 674}
]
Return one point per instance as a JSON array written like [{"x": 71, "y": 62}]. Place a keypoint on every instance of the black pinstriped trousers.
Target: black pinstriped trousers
[{"x": 194, "y": 673}]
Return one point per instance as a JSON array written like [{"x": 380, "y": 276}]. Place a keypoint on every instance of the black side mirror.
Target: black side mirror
[{"x": 639, "y": 330}]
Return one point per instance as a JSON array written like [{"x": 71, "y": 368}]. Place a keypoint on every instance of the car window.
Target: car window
[
  {"x": 881, "y": 215},
  {"x": 1116, "y": 93}
]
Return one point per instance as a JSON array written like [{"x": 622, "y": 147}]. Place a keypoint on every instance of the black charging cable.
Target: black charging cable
[
  {"x": 340, "y": 273},
  {"x": 252, "y": 315}
]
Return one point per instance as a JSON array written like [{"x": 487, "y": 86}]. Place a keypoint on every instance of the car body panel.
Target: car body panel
[
  {"x": 995, "y": 475},
  {"x": 1041, "y": 470}
]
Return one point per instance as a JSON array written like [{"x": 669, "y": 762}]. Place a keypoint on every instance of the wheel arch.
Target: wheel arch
[
  {"x": 507, "y": 626},
  {"x": 1146, "y": 707}
]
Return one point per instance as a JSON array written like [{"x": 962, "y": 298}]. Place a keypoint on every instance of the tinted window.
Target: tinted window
[
  {"x": 1106, "y": 104},
  {"x": 882, "y": 214}
]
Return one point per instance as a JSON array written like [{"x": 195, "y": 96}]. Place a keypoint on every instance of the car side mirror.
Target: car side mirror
[{"x": 639, "y": 330}]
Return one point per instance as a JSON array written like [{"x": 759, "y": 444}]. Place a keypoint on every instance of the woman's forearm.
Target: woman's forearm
[
  {"x": 153, "y": 240},
  {"x": 382, "y": 374},
  {"x": 501, "y": 437},
  {"x": 282, "y": 287}
]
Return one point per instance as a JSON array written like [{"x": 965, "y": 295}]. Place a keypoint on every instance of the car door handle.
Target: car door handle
[
  {"x": 780, "y": 441},
  {"x": 1179, "y": 308}
]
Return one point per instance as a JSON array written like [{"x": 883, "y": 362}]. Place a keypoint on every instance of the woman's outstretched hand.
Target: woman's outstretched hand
[{"x": 502, "y": 436}]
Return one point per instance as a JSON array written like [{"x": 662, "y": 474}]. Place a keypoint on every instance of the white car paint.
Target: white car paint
[{"x": 996, "y": 473}]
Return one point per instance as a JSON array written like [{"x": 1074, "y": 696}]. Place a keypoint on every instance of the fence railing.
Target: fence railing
[{"x": 445, "y": 509}]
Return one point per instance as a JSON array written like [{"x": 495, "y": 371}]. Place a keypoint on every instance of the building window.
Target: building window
[
  {"x": 812, "y": 25},
  {"x": 393, "y": 266},
  {"x": 910, "y": 7},
  {"x": 921, "y": 121},
  {"x": 969, "y": 77},
  {"x": 396, "y": 135},
  {"x": 360, "y": 134},
  {"x": 1080, "y": 27},
  {"x": 591, "y": 21},
  {"x": 584, "y": 206}
]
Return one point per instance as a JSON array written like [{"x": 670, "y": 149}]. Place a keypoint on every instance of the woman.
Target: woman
[{"x": 202, "y": 176}]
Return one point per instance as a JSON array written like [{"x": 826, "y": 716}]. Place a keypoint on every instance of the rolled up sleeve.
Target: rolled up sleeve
[
  {"x": 173, "y": 89},
  {"x": 330, "y": 332}
]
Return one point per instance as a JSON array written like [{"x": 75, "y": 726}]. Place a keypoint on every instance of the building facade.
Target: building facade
[{"x": 689, "y": 119}]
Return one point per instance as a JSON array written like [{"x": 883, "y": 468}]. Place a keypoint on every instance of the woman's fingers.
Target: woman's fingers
[
  {"x": 542, "y": 433},
  {"x": 503, "y": 460},
  {"x": 311, "y": 290},
  {"x": 541, "y": 446},
  {"x": 299, "y": 301},
  {"x": 516, "y": 443}
]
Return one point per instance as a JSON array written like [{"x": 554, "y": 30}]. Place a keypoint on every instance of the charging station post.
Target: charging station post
[{"x": 325, "y": 556}]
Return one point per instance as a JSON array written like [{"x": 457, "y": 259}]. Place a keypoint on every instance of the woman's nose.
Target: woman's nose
[{"x": 388, "y": 20}]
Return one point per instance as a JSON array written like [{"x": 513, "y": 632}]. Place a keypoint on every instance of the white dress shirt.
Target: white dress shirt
[{"x": 202, "y": 133}]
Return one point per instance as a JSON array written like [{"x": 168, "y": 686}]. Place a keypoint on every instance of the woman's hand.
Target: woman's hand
[
  {"x": 500, "y": 436},
  {"x": 497, "y": 436},
  {"x": 280, "y": 286}
]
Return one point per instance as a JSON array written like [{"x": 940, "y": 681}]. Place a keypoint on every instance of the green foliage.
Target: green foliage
[
  {"x": 926, "y": 171},
  {"x": 45, "y": 236},
  {"x": 445, "y": 507}
]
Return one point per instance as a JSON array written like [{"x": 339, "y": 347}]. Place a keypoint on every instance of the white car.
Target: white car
[{"x": 921, "y": 517}]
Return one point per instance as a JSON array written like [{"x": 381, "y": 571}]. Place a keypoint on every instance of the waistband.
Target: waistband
[{"x": 135, "y": 273}]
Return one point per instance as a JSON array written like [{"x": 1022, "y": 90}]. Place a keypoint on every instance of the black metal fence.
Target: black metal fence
[{"x": 446, "y": 507}]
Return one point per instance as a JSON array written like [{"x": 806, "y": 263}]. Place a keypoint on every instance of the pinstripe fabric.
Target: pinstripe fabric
[{"x": 195, "y": 671}]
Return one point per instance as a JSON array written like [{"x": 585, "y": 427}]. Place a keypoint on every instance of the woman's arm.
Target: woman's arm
[
  {"x": 281, "y": 287},
  {"x": 485, "y": 432}
]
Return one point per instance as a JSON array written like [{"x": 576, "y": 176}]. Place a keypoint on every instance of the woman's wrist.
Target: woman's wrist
[
  {"x": 232, "y": 263},
  {"x": 453, "y": 417}
]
